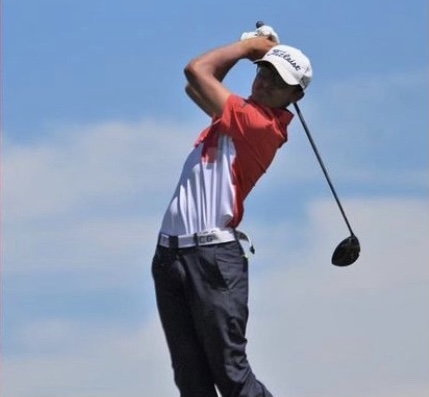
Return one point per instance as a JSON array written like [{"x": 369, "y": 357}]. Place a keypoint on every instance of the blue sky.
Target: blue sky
[{"x": 95, "y": 126}]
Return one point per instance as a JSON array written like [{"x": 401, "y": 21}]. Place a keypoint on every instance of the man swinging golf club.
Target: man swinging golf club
[{"x": 199, "y": 268}]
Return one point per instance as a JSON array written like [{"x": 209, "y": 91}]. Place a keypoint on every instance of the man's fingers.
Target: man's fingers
[{"x": 266, "y": 30}]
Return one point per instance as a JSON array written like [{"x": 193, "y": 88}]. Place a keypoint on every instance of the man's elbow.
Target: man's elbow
[
  {"x": 193, "y": 71},
  {"x": 189, "y": 73}
]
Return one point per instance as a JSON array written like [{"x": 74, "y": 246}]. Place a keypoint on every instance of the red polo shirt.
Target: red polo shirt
[{"x": 228, "y": 159}]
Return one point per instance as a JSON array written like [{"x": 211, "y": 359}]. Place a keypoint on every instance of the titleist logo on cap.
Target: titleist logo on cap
[{"x": 286, "y": 56}]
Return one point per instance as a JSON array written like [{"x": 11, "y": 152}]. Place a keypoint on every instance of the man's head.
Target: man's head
[{"x": 283, "y": 75}]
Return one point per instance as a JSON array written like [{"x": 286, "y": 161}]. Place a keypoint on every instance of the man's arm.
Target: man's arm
[
  {"x": 196, "y": 98},
  {"x": 206, "y": 72}
]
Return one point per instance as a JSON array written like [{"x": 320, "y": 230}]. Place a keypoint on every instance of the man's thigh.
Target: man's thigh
[{"x": 191, "y": 370}]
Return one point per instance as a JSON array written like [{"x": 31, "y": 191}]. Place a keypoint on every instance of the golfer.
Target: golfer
[{"x": 200, "y": 268}]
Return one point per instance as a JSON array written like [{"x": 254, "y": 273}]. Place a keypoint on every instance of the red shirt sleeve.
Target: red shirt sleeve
[{"x": 256, "y": 129}]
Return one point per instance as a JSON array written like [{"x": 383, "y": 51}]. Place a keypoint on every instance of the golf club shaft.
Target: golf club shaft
[{"x": 316, "y": 152}]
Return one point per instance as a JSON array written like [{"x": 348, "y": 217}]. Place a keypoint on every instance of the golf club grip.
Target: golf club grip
[{"x": 325, "y": 172}]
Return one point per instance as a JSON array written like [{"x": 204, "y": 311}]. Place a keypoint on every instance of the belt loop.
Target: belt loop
[
  {"x": 243, "y": 236},
  {"x": 173, "y": 242},
  {"x": 197, "y": 243}
]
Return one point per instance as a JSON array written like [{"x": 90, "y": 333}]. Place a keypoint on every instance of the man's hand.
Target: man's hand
[
  {"x": 264, "y": 30},
  {"x": 257, "y": 47}
]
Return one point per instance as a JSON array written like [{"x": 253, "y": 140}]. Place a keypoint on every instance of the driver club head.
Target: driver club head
[{"x": 346, "y": 252}]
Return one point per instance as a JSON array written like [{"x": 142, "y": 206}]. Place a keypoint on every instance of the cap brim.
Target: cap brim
[{"x": 284, "y": 74}]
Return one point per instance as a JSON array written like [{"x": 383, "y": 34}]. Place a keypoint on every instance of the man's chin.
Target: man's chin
[{"x": 259, "y": 99}]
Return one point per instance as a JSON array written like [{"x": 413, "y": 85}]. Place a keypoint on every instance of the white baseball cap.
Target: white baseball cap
[{"x": 291, "y": 64}]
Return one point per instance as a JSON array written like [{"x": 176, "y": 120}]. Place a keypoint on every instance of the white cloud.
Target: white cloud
[
  {"x": 366, "y": 131},
  {"x": 360, "y": 331},
  {"x": 357, "y": 331},
  {"x": 79, "y": 167},
  {"x": 81, "y": 360},
  {"x": 88, "y": 197}
]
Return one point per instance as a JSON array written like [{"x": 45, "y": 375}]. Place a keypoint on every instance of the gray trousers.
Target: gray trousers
[{"x": 202, "y": 298}]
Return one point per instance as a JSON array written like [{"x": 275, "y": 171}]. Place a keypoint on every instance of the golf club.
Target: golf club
[{"x": 348, "y": 250}]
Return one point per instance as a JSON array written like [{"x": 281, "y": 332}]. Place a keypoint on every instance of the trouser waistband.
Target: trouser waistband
[{"x": 204, "y": 238}]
